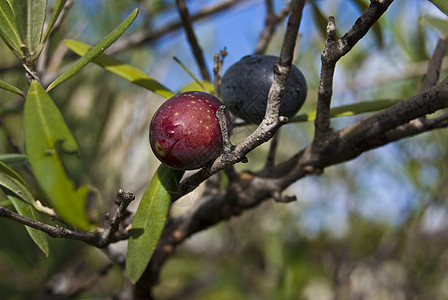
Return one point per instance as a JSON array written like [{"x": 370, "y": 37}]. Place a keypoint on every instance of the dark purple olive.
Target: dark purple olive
[{"x": 245, "y": 87}]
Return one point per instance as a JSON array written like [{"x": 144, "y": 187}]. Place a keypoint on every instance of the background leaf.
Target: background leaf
[
  {"x": 96, "y": 50},
  {"x": 442, "y": 5},
  {"x": 44, "y": 130},
  {"x": 11, "y": 181},
  {"x": 349, "y": 110},
  {"x": 149, "y": 220},
  {"x": 8, "y": 87},
  {"x": 121, "y": 69},
  {"x": 437, "y": 23}
]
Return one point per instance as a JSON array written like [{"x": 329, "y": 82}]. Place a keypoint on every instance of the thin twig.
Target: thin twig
[
  {"x": 144, "y": 36},
  {"x": 98, "y": 239},
  {"x": 218, "y": 61},
  {"x": 434, "y": 64},
  {"x": 272, "y": 21},
  {"x": 191, "y": 36},
  {"x": 334, "y": 50}
]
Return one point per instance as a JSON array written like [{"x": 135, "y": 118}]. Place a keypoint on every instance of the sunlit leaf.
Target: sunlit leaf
[
  {"x": 40, "y": 238},
  {"x": 10, "y": 88},
  {"x": 45, "y": 135},
  {"x": 95, "y": 50},
  {"x": 198, "y": 82},
  {"x": 194, "y": 86},
  {"x": 128, "y": 72},
  {"x": 149, "y": 220},
  {"x": 8, "y": 29},
  {"x": 348, "y": 110},
  {"x": 30, "y": 17},
  {"x": 442, "y": 5}
]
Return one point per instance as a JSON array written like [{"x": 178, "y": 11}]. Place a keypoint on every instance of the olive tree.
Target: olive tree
[{"x": 56, "y": 181}]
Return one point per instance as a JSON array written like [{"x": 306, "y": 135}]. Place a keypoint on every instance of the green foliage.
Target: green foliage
[
  {"x": 30, "y": 18},
  {"x": 11, "y": 88},
  {"x": 46, "y": 135},
  {"x": 95, "y": 51},
  {"x": 436, "y": 23},
  {"x": 11, "y": 181},
  {"x": 26, "y": 210},
  {"x": 117, "y": 67},
  {"x": 149, "y": 220},
  {"x": 8, "y": 29}
]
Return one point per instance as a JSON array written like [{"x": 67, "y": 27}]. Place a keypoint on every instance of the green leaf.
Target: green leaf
[
  {"x": 30, "y": 18},
  {"x": 26, "y": 210},
  {"x": 121, "y": 69},
  {"x": 436, "y": 23},
  {"x": 46, "y": 134},
  {"x": 12, "y": 181},
  {"x": 10, "y": 158},
  {"x": 442, "y": 5},
  {"x": 149, "y": 220},
  {"x": 11, "y": 88},
  {"x": 198, "y": 82},
  {"x": 54, "y": 16},
  {"x": 95, "y": 50},
  {"x": 319, "y": 19},
  {"x": 194, "y": 86},
  {"x": 348, "y": 110},
  {"x": 8, "y": 29}
]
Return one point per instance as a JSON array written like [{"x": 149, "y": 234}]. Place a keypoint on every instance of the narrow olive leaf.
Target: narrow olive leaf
[
  {"x": 11, "y": 158},
  {"x": 348, "y": 110},
  {"x": 59, "y": 5},
  {"x": 194, "y": 86},
  {"x": 117, "y": 67},
  {"x": 436, "y": 23},
  {"x": 12, "y": 181},
  {"x": 95, "y": 50},
  {"x": 150, "y": 219},
  {"x": 191, "y": 74},
  {"x": 24, "y": 209},
  {"x": 46, "y": 133},
  {"x": 8, "y": 87},
  {"x": 320, "y": 20},
  {"x": 442, "y": 5},
  {"x": 8, "y": 29},
  {"x": 30, "y": 18}
]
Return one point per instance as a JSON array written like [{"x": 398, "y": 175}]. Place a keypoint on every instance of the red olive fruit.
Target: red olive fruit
[
  {"x": 245, "y": 87},
  {"x": 185, "y": 132}
]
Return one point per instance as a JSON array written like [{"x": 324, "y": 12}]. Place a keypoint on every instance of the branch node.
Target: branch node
[{"x": 313, "y": 170}]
